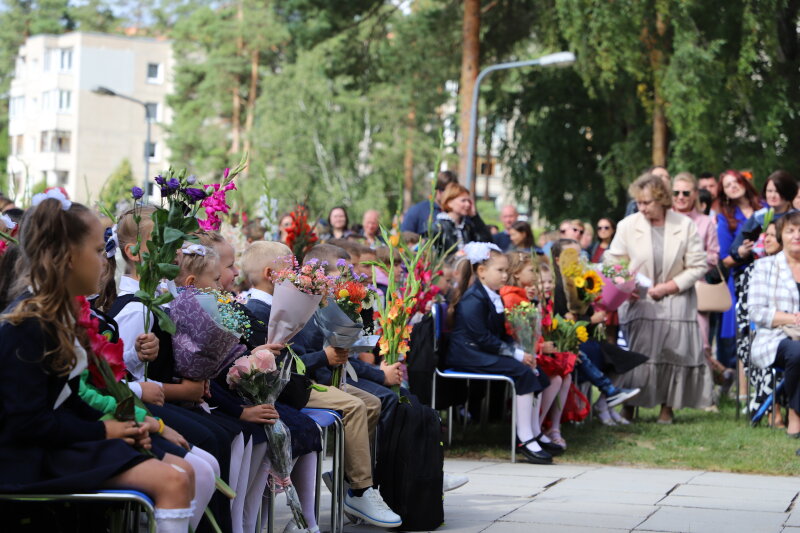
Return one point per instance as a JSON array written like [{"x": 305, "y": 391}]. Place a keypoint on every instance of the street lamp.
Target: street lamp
[
  {"x": 105, "y": 91},
  {"x": 560, "y": 58}
]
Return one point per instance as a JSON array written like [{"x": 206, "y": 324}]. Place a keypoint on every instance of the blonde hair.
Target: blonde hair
[
  {"x": 195, "y": 264},
  {"x": 657, "y": 187},
  {"x": 260, "y": 255},
  {"x": 516, "y": 262},
  {"x": 127, "y": 230},
  {"x": 688, "y": 177}
]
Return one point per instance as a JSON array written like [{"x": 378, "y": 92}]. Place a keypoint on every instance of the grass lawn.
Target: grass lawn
[{"x": 697, "y": 440}]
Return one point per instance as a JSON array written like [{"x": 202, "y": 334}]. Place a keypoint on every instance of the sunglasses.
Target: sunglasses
[
  {"x": 602, "y": 228},
  {"x": 685, "y": 194}
]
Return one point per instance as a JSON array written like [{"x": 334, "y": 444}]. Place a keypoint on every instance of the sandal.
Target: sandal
[
  {"x": 603, "y": 416},
  {"x": 555, "y": 436}
]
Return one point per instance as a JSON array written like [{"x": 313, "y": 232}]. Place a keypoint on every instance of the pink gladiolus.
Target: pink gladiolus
[{"x": 263, "y": 360}]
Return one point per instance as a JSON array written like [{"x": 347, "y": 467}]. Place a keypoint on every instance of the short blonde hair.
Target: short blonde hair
[
  {"x": 657, "y": 187},
  {"x": 262, "y": 254},
  {"x": 688, "y": 177}
]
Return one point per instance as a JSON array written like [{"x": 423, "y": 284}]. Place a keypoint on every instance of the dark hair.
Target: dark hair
[
  {"x": 326, "y": 253},
  {"x": 727, "y": 206},
  {"x": 445, "y": 178},
  {"x": 8, "y": 274},
  {"x": 707, "y": 176},
  {"x": 784, "y": 183},
  {"x": 792, "y": 218},
  {"x": 346, "y": 217},
  {"x": 558, "y": 247},
  {"x": 465, "y": 275},
  {"x": 524, "y": 228},
  {"x": 704, "y": 197},
  {"x": 15, "y": 214}
]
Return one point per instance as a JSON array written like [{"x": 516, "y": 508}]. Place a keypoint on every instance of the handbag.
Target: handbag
[
  {"x": 713, "y": 297},
  {"x": 296, "y": 392}
]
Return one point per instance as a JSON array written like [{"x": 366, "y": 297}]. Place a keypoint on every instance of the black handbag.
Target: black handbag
[{"x": 296, "y": 392}]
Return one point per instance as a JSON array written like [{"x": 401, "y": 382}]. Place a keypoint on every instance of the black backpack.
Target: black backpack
[
  {"x": 410, "y": 464},
  {"x": 424, "y": 356}
]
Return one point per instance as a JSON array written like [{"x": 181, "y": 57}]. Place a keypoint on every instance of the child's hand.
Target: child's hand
[
  {"x": 143, "y": 439},
  {"x": 147, "y": 347},
  {"x": 152, "y": 393},
  {"x": 336, "y": 356},
  {"x": 393, "y": 374},
  {"x": 175, "y": 438},
  {"x": 274, "y": 348},
  {"x": 127, "y": 431},
  {"x": 260, "y": 414},
  {"x": 529, "y": 360},
  {"x": 207, "y": 389},
  {"x": 549, "y": 347},
  {"x": 193, "y": 391},
  {"x": 598, "y": 317}
]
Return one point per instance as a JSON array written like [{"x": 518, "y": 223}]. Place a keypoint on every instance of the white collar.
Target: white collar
[
  {"x": 261, "y": 296},
  {"x": 495, "y": 298},
  {"x": 127, "y": 285}
]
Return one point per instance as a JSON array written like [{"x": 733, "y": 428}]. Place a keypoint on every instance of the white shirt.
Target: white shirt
[
  {"x": 261, "y": 296},
  {"x": 500, "y": 308},
  {"x": 130, "y": 321}
]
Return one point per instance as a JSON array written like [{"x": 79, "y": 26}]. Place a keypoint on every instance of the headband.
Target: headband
[
  {"x": 55, "y": 194},
  {"x": 193, "y": 249},
  {"x": 478, "y": 252},
  {"x": 112, "y": 241},
  {"x": 10, "y": 224}
]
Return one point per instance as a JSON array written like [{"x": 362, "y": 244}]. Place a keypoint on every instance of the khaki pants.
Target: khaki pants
[{"x": 361, "y": 412}]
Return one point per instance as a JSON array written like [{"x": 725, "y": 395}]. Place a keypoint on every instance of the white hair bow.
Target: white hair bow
[
  {"x": 478, "y": 252},
  {"x": 54, "y": 193},
  {"x": 112, "y": 243},
  {"x": 9, "y": 224},
  {"x": 193, "y": 249}
]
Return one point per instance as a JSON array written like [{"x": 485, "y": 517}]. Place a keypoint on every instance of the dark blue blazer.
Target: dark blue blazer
[
  {"x": 502, "y": 240},
  {"x": 479, "y": 336}
]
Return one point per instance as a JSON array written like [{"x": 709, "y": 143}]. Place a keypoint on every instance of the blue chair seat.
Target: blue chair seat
[{"x": 322, "y": 417}]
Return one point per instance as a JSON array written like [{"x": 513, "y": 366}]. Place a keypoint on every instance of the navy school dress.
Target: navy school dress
[
  {"x": 479, "y": 343},
  {"x": 44, "y": 448}
]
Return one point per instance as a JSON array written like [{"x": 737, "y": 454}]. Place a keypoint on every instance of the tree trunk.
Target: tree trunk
[
  {"x": 660, "y": 133},
  {"x": 236, "y": 102},
  {"x": 469, "y": 71},
  {"x": 251, "y": 100},
  {"x": 408, "y": 158}
]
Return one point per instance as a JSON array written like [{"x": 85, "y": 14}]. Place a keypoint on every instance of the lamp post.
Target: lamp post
[
  {"x": 560, "y": 58},
  {"x": 105, "y": 91}
]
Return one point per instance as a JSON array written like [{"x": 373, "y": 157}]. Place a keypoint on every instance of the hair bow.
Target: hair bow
[
  {"x": 112, "y": 241},
  {"x": 193, "y": 249},
  {"x": 55, "y": 194},
  {"x": 478, "y": 252},
  {"x": 9, "y": 224}
]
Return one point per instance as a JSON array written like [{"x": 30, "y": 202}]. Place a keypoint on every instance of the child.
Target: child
[
  {"x": 480, "y": 344},
  {"x": 522, "y": 287},
  {"x": 361, "y": 410},
  {"x": 51, "y": 441}
]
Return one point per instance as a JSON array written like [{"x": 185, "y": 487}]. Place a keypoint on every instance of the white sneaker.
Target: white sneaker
[
  {"x": 371, "y": 508},
  {"x": 291, "y": 527},
  {"x": 453, "y": 481}
]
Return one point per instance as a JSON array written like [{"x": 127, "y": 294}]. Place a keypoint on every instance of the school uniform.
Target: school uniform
[{"x": 480, "y": 344}]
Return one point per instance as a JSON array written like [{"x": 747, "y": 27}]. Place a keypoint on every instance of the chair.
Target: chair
[
  {"x": 131, "y": 499},
  {"x": 326, "y": 418},
  {"x": 453, "y": 374},
  {"x": 769, "y": 403}
]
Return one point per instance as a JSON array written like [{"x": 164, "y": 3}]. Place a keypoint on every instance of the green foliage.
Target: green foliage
[{"x": 117, "y": 187}]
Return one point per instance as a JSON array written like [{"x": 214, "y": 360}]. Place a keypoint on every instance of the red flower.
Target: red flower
[{"x": 100, "y": 346}]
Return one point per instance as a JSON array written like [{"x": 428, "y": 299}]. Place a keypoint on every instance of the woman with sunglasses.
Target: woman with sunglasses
[{"x": 605, "y": 234}]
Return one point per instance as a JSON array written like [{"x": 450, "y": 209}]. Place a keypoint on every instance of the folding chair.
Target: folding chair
[{"x": 326, "y": 418}]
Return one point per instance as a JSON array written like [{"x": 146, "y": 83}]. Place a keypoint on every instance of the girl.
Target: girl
[
  {"x": 480, "y": 344},
  {"x": 51, "y": 441},
  {"x": 522, "y": 287},
  {"x": 305, "y": 434}
]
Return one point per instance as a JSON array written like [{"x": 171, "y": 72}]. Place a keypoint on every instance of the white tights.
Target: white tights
[
  {"x": 206, "y": 468},
  {"x": 528, "y": 420}
]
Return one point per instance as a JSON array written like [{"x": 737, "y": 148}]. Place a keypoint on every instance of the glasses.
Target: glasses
[
  {"x": 579, "y": 231},
  {"x": 603, "y": 228},
  {"x": 686, "y": 194}
]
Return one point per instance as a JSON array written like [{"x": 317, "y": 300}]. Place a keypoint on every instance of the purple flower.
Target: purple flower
[
  {"x": 137, "y": 193},
  {"x": 191, "y": 180},
  {"x": 173, "y": 184},
  {"x": 194, "y": 195},
  {"x": 341, "y": 263},
  {"x": 160, "y": 180}
]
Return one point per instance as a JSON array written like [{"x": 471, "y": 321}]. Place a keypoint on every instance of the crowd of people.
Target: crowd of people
[{"x": 71, "y": 274}]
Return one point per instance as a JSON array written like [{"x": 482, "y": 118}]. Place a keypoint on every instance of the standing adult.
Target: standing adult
[
  {"x": 605, "y": 234},
  {"x": 508, "y": 216},
  {"x": 568, "y": 229},
  {"x": 372, "y": 227},
  {"x": 709, "y": 182},
  {"x": 338, "y": 224},
  {"x": 454, "y": 225},
  {"x": 663, "y": 246},
  {"x": 658, "y": 171},
  {"x": 416, "y": 218}
]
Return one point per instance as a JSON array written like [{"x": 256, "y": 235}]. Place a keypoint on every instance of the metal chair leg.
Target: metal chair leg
[
  {"x": 450, "y": 426},
  {"x": 513, "y": 424}
]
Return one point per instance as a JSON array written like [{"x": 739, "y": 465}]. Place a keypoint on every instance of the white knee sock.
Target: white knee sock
[
  {"x": 173, "y": 520},
  {"x": 536, "y": 425},
  {"x": 257, "y": 482},
  {"x": 304, "y": 478},
  {"x": 208, "y": 458},
  {"x": 237, "y": 505},
  {"x": 237, "y": 450},
  {"x": 525, "y": 431},
  {"x": 203, "y": 484}
]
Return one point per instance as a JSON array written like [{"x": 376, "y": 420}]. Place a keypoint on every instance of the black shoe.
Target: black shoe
[
  {"x": 550, "y": 447},
  {"x": 538, "y": 458}
]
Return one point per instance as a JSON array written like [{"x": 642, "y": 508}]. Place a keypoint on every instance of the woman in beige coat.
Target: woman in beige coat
[{"x": 664, "y": 247}]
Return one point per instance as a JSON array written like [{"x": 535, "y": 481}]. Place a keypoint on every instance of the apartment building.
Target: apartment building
[{"x": 64, "y": 133}]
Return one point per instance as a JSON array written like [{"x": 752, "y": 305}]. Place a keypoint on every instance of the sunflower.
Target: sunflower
[
  {"x": 579, "y": 281},
  {"x": 592, "y": 282},
  {"x": 581, "y": 333}
]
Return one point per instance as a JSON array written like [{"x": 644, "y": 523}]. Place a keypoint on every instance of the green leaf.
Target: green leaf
[
  {"x": 164, "y": 321},
  {"x": 172, "y": 235},
  {"x": 144, "y": 296},
  {"x": 168, "y": 270},
  {"x": 163, "y": 299},
  {"x": 319, "y": 388}
]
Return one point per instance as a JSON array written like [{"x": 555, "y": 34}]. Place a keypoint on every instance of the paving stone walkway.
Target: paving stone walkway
[{"x": 509, "y": 498}]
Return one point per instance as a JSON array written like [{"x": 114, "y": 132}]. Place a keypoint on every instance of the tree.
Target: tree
[{"x": 117, "y": 187}]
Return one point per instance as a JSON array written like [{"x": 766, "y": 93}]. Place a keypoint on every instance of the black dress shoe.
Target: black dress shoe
[
  {"x": 538, "y": 458},
  {"x": 550, "y": 447}
]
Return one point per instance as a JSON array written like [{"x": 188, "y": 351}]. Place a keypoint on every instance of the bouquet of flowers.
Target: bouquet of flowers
[
  {"x": 8, "y": 231},
  {"x": 618, "y": 284},
  {"x": 567, "y": 335},
  {"x": 300, "y": 236},
  {"x": 429, "y": 291},
  {"x": 340, "y": 320},
  {"x": 525, "y": 321},
  {"x": 259, "y": 381},
  {"x": 582, "y": 284},
  {"x": 209, "y": 327}
]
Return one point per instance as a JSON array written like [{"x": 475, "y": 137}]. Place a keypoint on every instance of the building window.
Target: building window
[
  {"x": 65, "y": 59},
  {"x": 154, "y": 74},
  {"x": 64, "y": 100},
  {"x": 486, "y": 167},
  {"x": 61, "y": 141},
  {"x": 152, "y": 111},
  {"x": 47, "y": 100},
  {"x": 47, "y": 64},
  {"x": 44, "y": 142},
  {"x": 16, "y": 106},
  {"x": 151, "y": 151},
  {"x": 62, "y": 177}
]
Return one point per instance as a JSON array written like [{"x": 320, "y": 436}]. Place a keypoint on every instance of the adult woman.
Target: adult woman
[
  {"x": 605, "y": 234},
  {"x": 685, "y": 202},
  {"x": 665, "y": 247},
  {"x": 454, "y": 225},
  {"x": 338, "y": 222},
  {"x": 779, "y": 192},
  {"x": 284, "y": 223},
  {"x": 774, "y": 303},
  {"x": 521, "y": 237}
]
